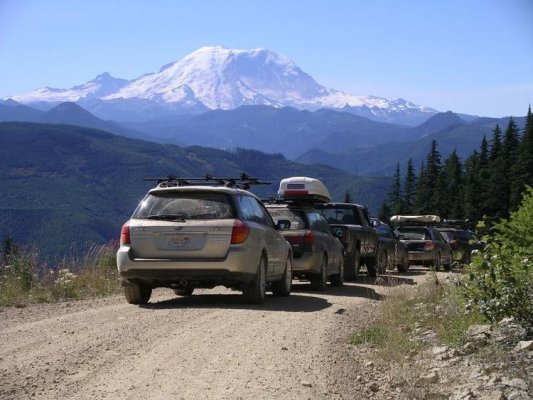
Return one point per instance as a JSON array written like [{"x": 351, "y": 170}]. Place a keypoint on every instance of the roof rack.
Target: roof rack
[
  {"x": 456, "y": 223},
  {"x": 415, "y": 219},
  {"x": 243, "y": 182}
]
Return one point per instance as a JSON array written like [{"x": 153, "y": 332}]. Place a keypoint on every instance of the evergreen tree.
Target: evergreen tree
[
  {"x": 510, "y": 145},
  {"x": 395, "y": 200},
  {"x": 522, "y": 170},
  {"x": 497, "y": 178},
  {"x": 430, "y": 184},
  {"x": 409, "y": 188},
  {"x": 453, "y": 187},
  {"x": 471, "y": 188},
  {"x": 347, "y": 197},
  {"x": 384, "y": 212}
]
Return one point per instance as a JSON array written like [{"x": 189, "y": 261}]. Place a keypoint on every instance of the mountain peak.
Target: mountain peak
[{"x": 217, "y": 77}]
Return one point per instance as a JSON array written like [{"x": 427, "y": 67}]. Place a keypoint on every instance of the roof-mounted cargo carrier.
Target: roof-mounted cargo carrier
[
  {"x": 303, "y": 189},
  {"x": 243, "y": 182},
  {"x": 415, "y": 219}
]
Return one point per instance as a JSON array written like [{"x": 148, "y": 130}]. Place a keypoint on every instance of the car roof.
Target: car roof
[
  {"x": 201, "y": 188},
  {"x": 301, "y": 206},
  {"x": 326, "y": 205}
]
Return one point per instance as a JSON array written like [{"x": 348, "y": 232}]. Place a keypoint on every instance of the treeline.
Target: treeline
[{"x": 489, "y": 183}]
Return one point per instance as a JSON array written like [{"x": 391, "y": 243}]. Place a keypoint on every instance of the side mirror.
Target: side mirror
[
  {"x": 374, "y": 223},
  {"x": 283, "y": 224},
  {"x": 338, "y": 232}
]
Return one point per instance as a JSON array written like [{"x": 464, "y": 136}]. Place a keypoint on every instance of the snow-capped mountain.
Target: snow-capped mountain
[
  {"x": 103, "y": 85},
  {"x": 215, "y": 77}
]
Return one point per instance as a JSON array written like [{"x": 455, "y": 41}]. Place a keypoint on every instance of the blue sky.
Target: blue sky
[{"x": 471, "y": 56}]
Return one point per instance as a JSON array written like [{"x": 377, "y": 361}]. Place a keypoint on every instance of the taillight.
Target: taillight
[
  {"x": 429, "y": 246},
  {"x": 454, "y": 244},
  {"x": 125, "y": 234},
  {"x": 309, "y": 237},
  {"x": 240, "y": 232}
]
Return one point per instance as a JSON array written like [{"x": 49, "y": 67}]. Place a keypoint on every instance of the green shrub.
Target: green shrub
[
  {"x": 500, "y": 280},
  {"x": 23, "y": 280}
]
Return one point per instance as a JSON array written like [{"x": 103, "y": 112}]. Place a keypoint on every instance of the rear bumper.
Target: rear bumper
[
  {"x": 309, "y": 263},
  {"x": 239, "y": 267},
  {"x": 423, "y": 257}
]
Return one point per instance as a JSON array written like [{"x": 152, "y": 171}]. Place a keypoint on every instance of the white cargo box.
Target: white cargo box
[
  {"x": 421, "y": 219},
  {"x": 302, "y": 188}
]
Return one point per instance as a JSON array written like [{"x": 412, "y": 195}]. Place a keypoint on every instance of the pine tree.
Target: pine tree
[
  {"x": 453, "y": 187},
  {"x": 347, "y": 197},
  {"x": 522, "y": 170},
  {"x": 510, "y": 145},
  {"x": 395, "y": 200},
  {"x": 471, "y": 188},
  {"x": 430, "y": 184},
  {"x": 409, "y": 188},
  {"x": 497, "y": 178}
]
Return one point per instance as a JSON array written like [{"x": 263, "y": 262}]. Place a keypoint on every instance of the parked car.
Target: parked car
[
  {"x": 351, "y": 224},
  {"x": 462, "y": 241},
  {"x": 393, "y": 253},
  {"x": 317, "y": 254},
  {"x": 200, "y": 233},
  {"x": 424, "y": 242}
]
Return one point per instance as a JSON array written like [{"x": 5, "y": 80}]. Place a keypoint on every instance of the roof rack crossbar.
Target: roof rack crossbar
[{"x": 244, "y": 181}]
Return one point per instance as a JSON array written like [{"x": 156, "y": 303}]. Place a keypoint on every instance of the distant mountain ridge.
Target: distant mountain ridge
[
  {"x": 213, "y": 78},
  {"x": 89, "y": 181}
]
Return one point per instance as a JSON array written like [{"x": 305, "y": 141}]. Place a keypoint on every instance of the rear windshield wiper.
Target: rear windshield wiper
[{"x": 167, "y": 217}]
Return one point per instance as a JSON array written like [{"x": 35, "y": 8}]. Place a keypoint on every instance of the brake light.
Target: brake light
[
  {"x": 454, "y": 244},
  {"x": 309, "y": 237},
  {"x": 125, "y": 234},
  {"x": 429, "y": 246},
  {"x": 240, "y": 232}
]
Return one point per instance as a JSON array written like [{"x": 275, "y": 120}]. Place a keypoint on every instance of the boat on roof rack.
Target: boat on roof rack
[
  {"x": 244, "y": 181},
  {"x": 303, "y": 189},
  {"x": 415, "y": 219}
]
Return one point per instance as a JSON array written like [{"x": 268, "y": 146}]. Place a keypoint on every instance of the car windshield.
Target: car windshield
[
  {"x": 296, "y": 217},
  {"x": 414, "y": 233},
  {"x": 183, "y": 206},
  {"x": 340, "y": 216},
  {"x": 448, "y": 235}
]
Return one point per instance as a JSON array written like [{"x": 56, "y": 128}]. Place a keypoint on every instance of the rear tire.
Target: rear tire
[
  {"x": 352, "y": 266},
  {"x": 255, "y": 292},
  {"x": 183, "y": 291},
  {"x": 371, "y": 267},
  {"x": 436, "y": 263},
  {"x": 282, "y": 288},
  {"x": 320, "y": 282},
  {"x": 404, "y": 266},
  {"x": 137, "y": 293},
  {"x": 448, "y": 266},
  {"x": 382, "y": 262},
  {"x": 338, "y": 279}
]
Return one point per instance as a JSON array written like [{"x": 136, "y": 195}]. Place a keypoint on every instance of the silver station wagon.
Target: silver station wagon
[{"x": 201, "y": 233}]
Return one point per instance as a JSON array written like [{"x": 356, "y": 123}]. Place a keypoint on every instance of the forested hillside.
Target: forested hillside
[{"x": 65, "y": 185}]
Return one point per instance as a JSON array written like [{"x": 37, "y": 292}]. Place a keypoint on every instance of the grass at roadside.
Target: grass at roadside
[
  {"x": 24, "y": 280},
  {"x": 435, "y": 310}
]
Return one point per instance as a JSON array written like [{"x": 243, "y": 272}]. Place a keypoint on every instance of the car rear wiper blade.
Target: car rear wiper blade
[{"x": 167, "y": 217}]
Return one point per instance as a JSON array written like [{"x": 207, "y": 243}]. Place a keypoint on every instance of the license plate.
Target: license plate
[{"x": 179, "y": 241}]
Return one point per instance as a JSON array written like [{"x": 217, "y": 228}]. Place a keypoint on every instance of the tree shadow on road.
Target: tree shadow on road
[
  {"x": 292, "y": 303},
  {"x": 348, "y": 289}
]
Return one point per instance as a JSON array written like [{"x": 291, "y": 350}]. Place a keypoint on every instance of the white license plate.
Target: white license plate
[{"x": 179, "y": 241}]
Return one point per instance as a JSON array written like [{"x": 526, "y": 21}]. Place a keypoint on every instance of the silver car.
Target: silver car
[
  {"x": 187, "y": 237},
  {"x": 318, "y": 255}
]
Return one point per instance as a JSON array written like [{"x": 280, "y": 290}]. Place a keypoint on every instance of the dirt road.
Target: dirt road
[{"x": 207, "y": 346}]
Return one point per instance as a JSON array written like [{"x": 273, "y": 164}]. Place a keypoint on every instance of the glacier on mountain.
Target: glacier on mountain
[{"x": 215, "y": 77}]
